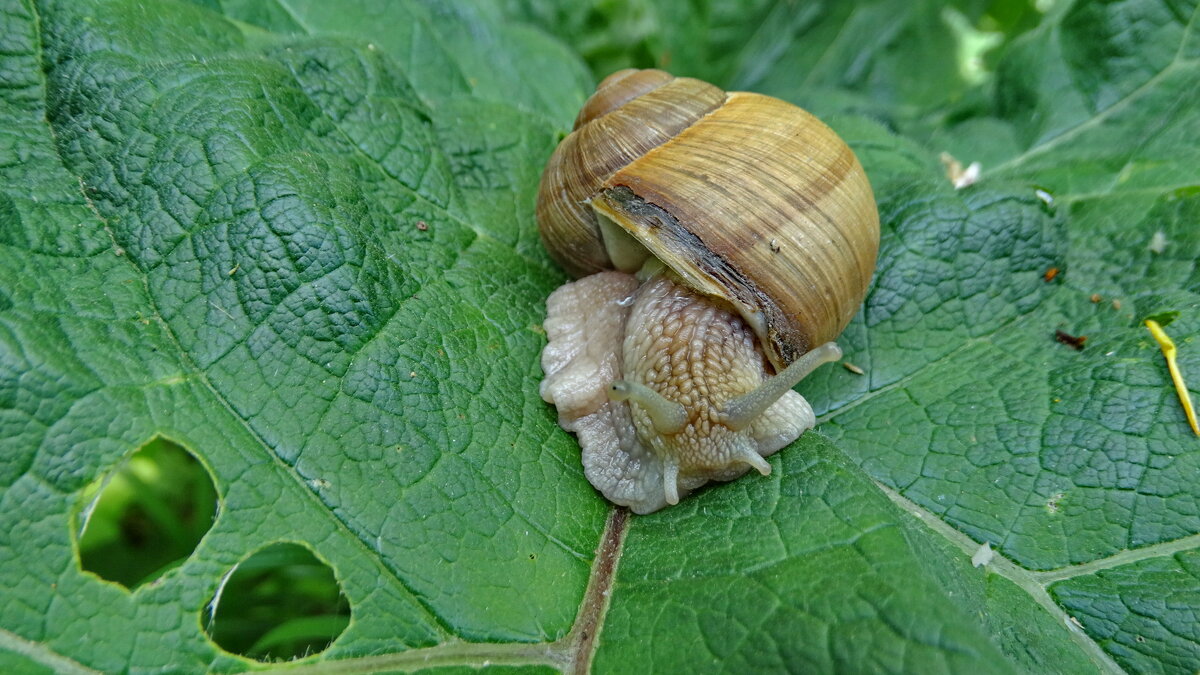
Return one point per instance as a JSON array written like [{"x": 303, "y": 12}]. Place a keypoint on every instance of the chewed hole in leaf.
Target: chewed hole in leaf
[
  {"x": 279, "y": 604},
  {"x": 147, "y": 515}
]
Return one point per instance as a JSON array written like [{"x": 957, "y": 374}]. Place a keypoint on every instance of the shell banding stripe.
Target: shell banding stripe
[
  {"x": 608, "y": 142},
  {"x": 737, "y": 222},
  {"x": 712, "y": 274},
  {"x": 618, "y": 89}
]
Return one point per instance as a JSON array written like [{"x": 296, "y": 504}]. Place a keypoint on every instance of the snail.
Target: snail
[{"x": 721, "y": 241}]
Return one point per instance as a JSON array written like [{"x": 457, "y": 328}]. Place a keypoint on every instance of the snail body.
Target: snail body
[{"x": 724, "y": 240}]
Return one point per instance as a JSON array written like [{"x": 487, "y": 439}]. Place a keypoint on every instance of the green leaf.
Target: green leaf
[
  {"x": 830, "y": 56},
  {"x": 1142, "y": 612},
  {"x": 816, "y": 571},
  {"x": 296, "y": 239}
]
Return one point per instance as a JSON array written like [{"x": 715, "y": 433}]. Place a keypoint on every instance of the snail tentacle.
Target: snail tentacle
[
  {"x": 671, "y": 481},
  {"x": 667, "y": 416},
  {"x": 756, "y": 460},
  {"x": 741, "y": 411}
]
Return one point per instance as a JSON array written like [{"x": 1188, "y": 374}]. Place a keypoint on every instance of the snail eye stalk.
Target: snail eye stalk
[
  {"x": 668, "y": 416},
  {"x": 741, "y": 411}
]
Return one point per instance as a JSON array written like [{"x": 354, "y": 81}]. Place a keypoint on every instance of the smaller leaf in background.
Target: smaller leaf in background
[
  {"x": 1142, "y": 612},
  {"x": 280, "y": 603},
  {"x": 826, "y": 56},
  {"x": 146, "y": 517}
]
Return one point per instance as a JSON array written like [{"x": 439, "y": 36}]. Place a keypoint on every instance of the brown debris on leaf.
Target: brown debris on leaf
[{"x": 1072, "y": 341}]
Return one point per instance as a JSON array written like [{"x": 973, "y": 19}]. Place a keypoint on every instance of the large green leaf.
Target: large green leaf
[{"x": 296, "y": 238}]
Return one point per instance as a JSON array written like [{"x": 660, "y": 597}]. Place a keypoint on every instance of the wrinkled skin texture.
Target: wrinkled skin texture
[{"x": 604, "y": 328}]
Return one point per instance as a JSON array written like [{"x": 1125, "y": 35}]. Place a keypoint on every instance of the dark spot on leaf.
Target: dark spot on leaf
[{"x": 1075, "y": 342}]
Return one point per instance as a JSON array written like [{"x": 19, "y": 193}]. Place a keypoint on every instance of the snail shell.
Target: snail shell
[{"x": 754, "y": 233}]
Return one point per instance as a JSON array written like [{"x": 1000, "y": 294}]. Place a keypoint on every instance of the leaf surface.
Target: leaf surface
[{"x": 297, "y": 239}]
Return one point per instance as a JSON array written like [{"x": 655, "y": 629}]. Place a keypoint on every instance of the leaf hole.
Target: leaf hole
[
  {"x": 279, "y": 604},
  {"x": 146, "y": 516}
]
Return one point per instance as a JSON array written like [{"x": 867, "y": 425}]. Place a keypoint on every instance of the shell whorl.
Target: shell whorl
[
  {"x": 631, "y": 113},
  {"x": 748, "y": 199}
]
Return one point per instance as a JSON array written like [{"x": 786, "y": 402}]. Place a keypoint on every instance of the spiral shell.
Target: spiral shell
[{"x": 748, "y": 199}]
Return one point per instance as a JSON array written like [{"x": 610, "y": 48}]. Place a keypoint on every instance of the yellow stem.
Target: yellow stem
[{"x": 1168, "y": 350}]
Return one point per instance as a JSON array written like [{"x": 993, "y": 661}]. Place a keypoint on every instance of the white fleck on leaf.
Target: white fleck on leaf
[
  {"x": 1158, "y": 242},
  {"x": 957, "y": 174},
  {"x": 983, "y": 555}
]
